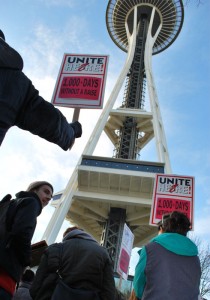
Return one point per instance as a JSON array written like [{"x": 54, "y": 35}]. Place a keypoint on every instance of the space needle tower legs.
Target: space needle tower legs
[
  {"x": 104, "y": 193},
  {"x": 62, "y": 208},
  {"x": 159, "y": 133}
]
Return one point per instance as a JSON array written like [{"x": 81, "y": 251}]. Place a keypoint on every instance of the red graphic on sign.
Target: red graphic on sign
[
  {"x": 80, "y": 86},
  {"x": 173, "y": 188},
  {"x": 124, "y": 261},
  {"x": 167, "y": 205},
  {"x": 82, "y": 67}
]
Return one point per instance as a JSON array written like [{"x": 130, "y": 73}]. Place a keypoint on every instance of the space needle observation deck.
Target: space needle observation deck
[{"x": 168, "y": 16}]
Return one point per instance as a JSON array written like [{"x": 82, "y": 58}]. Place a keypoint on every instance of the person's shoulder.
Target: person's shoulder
[
  {"x": 103, "y": 250},
  {"x": 55, "y": 247},
  {"x": 54, "y": 251},
  {"x": 9, "y": 57},
  {"x": 28, "y": 199}
]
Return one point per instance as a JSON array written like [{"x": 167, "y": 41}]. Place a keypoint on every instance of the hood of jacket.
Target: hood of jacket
[
  {"x": 77, "y": 233},
  {"x": 9, "y": 57},
  {"x": 176, "y": 243},
  {"x": 22, "y": 194}
]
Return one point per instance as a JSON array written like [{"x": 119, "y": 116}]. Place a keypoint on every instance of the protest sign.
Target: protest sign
[
  {"x": 125, "y": 252},
  {"x": 81, "y": 81},
  {"x": 172, "y": 192}
]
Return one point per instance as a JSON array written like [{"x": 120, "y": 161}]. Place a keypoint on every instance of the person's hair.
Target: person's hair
[
  {"x": 176, "y": 222},
  {"x": 28, "y": 276},
  {"x": 159, "y": 225},
  {"x": 69, "y": 229},
  {"x": 34, "y": 186}
]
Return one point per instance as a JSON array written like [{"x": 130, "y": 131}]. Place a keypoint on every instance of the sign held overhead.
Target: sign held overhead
[
  {"x": 172, "y": 192},
  {"x": 81, "y": 81}
]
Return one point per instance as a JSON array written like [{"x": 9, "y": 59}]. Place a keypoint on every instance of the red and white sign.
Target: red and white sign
[
  {"x": 172, "y": 192},
  {"x": 125, "y": 252},
  {"x": 81, "y": 81}
]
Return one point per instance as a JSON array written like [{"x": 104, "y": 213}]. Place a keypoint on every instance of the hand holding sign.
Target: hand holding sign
[{"x": 77, "y": 129}]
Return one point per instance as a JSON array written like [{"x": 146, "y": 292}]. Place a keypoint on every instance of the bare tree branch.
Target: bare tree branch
[{"x": 204, "y": 255}]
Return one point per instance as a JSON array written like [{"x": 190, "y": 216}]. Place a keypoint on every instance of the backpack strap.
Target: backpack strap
[
  {"x": 10, "y": 213},
  {"x": 60, "y": 260}
]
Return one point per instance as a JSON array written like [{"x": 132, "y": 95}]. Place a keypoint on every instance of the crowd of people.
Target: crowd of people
[
  {"x": 78, "y": 267},
  {"x": 168, "y": 267}
]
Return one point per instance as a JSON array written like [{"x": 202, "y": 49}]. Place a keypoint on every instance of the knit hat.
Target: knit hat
[
  {"x": 2, "y": 35},
  {"x": 37, "y": 184}
]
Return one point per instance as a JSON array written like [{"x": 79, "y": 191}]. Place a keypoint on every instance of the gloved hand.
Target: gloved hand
[{"x": 77, "y": 129}]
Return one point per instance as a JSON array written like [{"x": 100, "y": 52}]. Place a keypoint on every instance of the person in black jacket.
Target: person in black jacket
[
  {"x": 22, "y": 293},
  {"x": 82, "y": 263},
  {"x": 22, "y": 106},
  {"x": 15, "y": 242}
]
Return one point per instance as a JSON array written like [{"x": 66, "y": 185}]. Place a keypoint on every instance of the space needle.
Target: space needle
[
  {"x": 143, "y": 28},
  {"x": 104, "y": 193}
]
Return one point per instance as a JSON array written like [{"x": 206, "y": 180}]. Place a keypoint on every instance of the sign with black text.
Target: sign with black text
[
  {"x": 172, "y": 192},
  {"x": 81, "y": 81}
]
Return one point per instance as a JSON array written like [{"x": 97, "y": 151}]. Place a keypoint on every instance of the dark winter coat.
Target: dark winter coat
[
  {"x": 15, "y": 249},
  {"x": 85, "y": 264},
  {"x": 21, "y": 105}
]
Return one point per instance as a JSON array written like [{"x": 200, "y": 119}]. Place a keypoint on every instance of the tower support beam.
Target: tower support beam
[
  {"x": 112, "y": 233},
  {"x": 159, "y": 133},
  {"x": 63, "y": 207}
]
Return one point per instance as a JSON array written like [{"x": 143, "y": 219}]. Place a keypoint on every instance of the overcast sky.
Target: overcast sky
[{"x": 43, "y": 30}]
